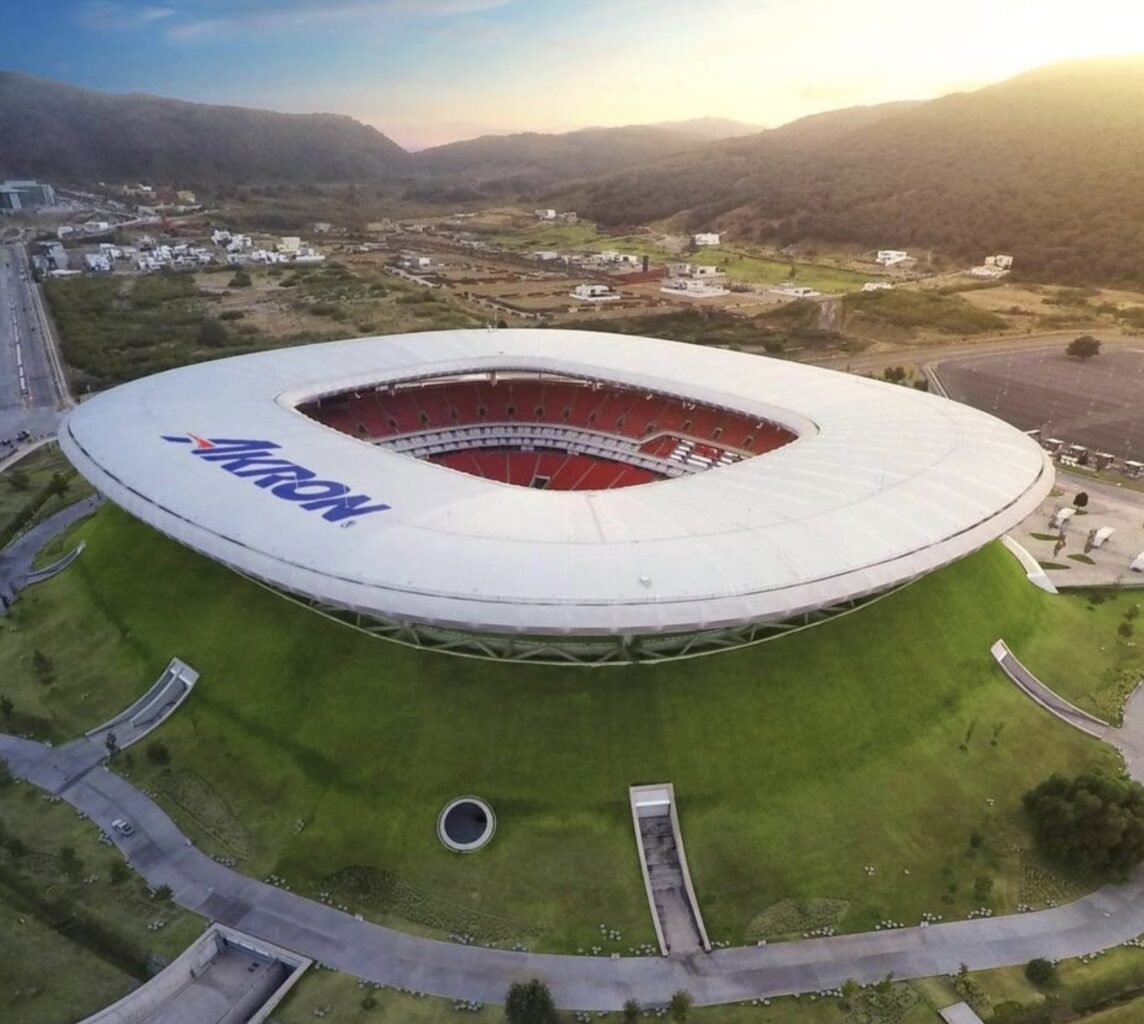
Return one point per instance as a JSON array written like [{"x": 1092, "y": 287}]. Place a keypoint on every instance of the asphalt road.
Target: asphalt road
[{"x": 29, "y": 399}]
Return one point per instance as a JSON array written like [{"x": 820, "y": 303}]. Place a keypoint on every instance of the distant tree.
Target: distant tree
[
  {"x": 631, "y": 1012},
  {"x": 212, "y": 333},
  {"x": 157, "y": 753},
  {"x": 118, "y": 873},
  {"x": 680, "y": 1005},
  {"x": 1040, "y": 971},
  {"x": 163, "y": 894},
  {"x": 241, "y": 279},
  {"x": 6, "y": 708},
  {"x": 1081, "y": 500},
  {"x": 1084, "y": 347},
  {"x": 17, "y": 479},
  {"x": 57, "y": 485},
  {"x": 1091, "y": 821},
  {"x": 529, "y": 1002}
]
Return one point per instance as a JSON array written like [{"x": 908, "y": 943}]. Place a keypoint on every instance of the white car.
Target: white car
[{"x": 123, "y": 827}]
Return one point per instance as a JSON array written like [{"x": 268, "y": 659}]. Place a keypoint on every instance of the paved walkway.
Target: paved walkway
[
  {"x": 1128, "y": 738},
  {"x": 17, "y": 558},
  {"x": 164, "y": 856}
]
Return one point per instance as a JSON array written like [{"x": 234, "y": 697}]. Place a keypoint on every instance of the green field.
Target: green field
[
  {"x": 913, "y": 310},
  {"x": 741, "y": 265},
  {"x": 884, "y": 738},
  {"x": 1100, "y": 674}
]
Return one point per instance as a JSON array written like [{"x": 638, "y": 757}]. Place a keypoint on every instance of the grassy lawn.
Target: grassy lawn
[
  {"x": 743, "y": 266},
  {"x": 883, "y": 739},
  {"x": 72, "y": 939},
  {"x": 1098, "y": 674},
  {"x": 342, "y": 997}
]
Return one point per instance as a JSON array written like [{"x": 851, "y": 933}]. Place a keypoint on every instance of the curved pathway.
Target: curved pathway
[
  {"x": 17, "y": 558},
  {"x": 164, "y": 856}
]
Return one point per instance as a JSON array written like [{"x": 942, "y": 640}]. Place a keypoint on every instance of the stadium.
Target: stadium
[{"x": 554, "y": 495}]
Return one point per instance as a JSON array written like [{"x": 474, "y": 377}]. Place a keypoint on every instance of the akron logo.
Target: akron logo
[{"x": 255, "y": 461}]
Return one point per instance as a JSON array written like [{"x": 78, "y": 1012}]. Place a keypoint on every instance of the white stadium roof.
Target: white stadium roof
[{"x": 883, "y": 484}]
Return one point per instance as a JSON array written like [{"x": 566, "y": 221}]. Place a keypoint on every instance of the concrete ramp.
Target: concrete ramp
[{"x": 675, "y": 912}]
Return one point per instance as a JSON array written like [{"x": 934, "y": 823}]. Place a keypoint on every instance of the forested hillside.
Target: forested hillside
[
  {"x": 64, "y": 133},
  {"x": 1048, "y": 166}
]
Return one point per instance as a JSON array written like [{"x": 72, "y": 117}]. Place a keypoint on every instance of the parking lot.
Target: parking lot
[{"x": 1098, "y": 403}]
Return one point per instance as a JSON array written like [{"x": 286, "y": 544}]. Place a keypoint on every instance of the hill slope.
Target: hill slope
[
  {"x": 1048, "y": 165},
  {"x": 65, "y": 133},
  {"x": 502, "y": 164}
]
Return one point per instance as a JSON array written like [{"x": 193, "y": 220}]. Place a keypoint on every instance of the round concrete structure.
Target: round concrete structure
[
  {"x": 466, "y": 824},
  {"x": 881, "y": 485}
]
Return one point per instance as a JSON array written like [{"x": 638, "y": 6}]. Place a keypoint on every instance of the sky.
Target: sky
[{"x": 432, "y": 71}]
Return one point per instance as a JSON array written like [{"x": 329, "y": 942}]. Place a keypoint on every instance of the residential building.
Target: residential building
[
  {"x": 706, "y": 238},
  {"x": 545, "y": 214},
  {"x": 891, "y": 257},
  {"x": 692, "y": 288},
  {"x": 594, "y": 293},
  {"x": 877, "y": 286}
]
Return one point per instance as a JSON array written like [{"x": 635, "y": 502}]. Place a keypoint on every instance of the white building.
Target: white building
[
  {"x": 289, "y": 243},
  {"x": 594, "y": 293},
  {"x": 1001, "y": 261},
  {"x": 545, "y": 214},
  {"x": 797, "y": 291},
  {"x": 570, "y": 217},
  {"x": 546, "y": 255},
  {"x": 891, "y": 257},
  {"x": 877, "y": 286},
  {"x": 706, "y": 238},
  {"x": 692, "y": 288},
  {"x": 706, "y": 270}
]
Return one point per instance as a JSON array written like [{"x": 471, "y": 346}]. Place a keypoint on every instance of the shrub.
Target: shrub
[
  {"x": 680, "y": 1005},
  {"x": 157, "y": 753},
  {"x": 1084, "y": 347},
  {"x": 1091, "y": 821},
  {"x": 212, "y": 334},
  {"x": 241, "y": 279},
  {"x": 1040, "y": 971},
  {"x": 529, "y": 1002},
  {"x": 231, "y": 314}
]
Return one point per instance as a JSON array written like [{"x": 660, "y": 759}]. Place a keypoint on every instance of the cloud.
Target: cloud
[
  {"x": 109, "y": 16},
  {"x": 261, "y": 16}
]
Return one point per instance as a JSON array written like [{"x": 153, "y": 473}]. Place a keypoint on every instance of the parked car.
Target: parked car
[{"x": 123, "y": 827}]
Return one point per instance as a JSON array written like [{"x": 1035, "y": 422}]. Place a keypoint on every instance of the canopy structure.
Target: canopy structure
[{"x": 882, "y": 484}]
